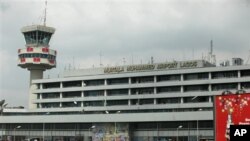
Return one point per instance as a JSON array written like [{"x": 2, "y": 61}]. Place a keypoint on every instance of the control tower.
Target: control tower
[{"x": 37, "y": 56}]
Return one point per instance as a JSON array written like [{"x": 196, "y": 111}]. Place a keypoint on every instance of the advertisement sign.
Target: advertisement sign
[
  {"x": 111, "y": 132},
  {"x": 232, "y": 109}
]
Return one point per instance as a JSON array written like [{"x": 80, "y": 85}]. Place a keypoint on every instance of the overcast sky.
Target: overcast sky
[{"x": 165, "y": 29}]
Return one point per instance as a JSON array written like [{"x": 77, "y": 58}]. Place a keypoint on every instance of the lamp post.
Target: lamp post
[
  {"x": 197, "y": 132},
  {"x": 15, "y": 132},
  {"x": 44, "y": 125},
  {"x": 177, "y": 137},
  {"x": 92, "y": 127}
]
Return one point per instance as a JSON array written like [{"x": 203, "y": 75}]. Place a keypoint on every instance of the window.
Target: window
[
  {"x": 117, "y": 81},
  {"x": 72, "y": 84},
  {"x": 51, "y": 85},
  {"x": 225, "y": 74},
  {"x": 94, "y": 82},
  {"x": 142, "y": 101},
  {"x": 196, "y": 99},
  {"x": 193, "y": 88},
  {"x": 169, "y": 89},
  {"x": 168, "y": 100},
  {"x": 50, "y": 105},
  {"x": 50, "y": 95},
  {"x": 245, "y": 73},
  {"x": 71, "y": 104},
  {"x": 117, "y": 92},
  {"x": 148, "y": 79},
  {"x": 93, "y": 103},
  {"x": 94, "y": 93},
  {"x": 245, "y": 85},
  {"x": 142, "y": 91},
  {"x": 117, "y": 102},
  {"x": 71, "y": 94},
  {"x": 229, "y": 86},
  {"x": 196, "y": 76},
  {"x": 169, "y": 78}
]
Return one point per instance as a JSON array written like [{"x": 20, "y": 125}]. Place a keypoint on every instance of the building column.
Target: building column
[
  {"x": 129, "y": 80},
  {"x": 210, "y": 99},
  {"x": 239, "y": 75},
  {"x": 61, "y": 84},
  {"x": 182, "y": 77},
  {"x": 181, "y": 99},
  {"x": 182, "y": 89},
  {"x": 105, "y": 97},
  {"x": 239, "y": 86},
  {"x": 209, "y": 87},
  {"x": 210, "y": 75},
  {"x": 82, "y": 94},
  {"x": 105, "y": 82}
]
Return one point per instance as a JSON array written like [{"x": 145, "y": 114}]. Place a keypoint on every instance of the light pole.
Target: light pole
[
  {"x": 44, "y": 126},
  {"x": 177, "y": 137},
  {"x": 197, "y": 132},
  {"x": 15, "y": 132},
  {"x": 92, "y": 127}
]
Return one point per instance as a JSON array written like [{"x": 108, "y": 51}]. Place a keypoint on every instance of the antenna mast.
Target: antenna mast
[{"x": 45, "y": 14}]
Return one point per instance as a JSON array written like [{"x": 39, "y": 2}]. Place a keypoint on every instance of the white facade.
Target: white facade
[{"x": 156, "y": 94}]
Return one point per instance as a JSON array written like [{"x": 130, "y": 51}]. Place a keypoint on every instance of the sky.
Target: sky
[{"x": 116, "y": 32}]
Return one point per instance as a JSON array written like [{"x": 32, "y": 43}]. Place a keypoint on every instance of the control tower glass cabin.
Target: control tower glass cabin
[{"x": 37, "y": 56}]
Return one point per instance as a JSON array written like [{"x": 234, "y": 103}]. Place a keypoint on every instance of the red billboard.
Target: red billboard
[{"x": 231, "y": 109}]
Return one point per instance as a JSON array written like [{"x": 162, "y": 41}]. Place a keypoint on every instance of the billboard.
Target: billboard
[
  {"x": 111, "y": 132},
  {"x": 232, "y": 109}
]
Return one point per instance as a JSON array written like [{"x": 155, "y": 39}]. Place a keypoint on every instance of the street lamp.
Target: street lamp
[
  {"x": 197, "y": 132},
  {"x": 92, "y": 127},
  {"x": 44, "y": 125},
  {"x": 15, "y": 132},
  {"x": 177, "y": 137}
]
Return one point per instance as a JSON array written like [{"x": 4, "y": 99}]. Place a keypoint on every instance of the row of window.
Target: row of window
[
  {"x": 176, "y": 100},
  {"x": 37, "y": 37},
  {"x": 37, "y": 55},
  {"x": 150, "y": 90},
  {"x": 148, "y": 79},
  {"x": 134, "y": 126}
]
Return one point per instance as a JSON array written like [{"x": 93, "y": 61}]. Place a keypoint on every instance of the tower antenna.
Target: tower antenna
[
  {"x": 100, "y": 58},
  {"x": 45, "y": 14}
]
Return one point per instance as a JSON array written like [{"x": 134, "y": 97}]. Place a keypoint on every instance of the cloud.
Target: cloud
[{"x": 165, "y": 29}]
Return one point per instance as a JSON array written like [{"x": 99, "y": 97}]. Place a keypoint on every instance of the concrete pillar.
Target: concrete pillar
[
  {"x": 239, "y": 75},
  {"x": 181, "y": 99},
  {"x": 105, "y": 82},
  {"x": 61, "y": 84},
  {"x": 210, "y": 87},
  {"x": 182, "y": 77},
  {"x": 210, "y": 99},
  {"x": 182, "y": 89},
  {"x": 35, "y": 74},
  {"x": 155, "y": 101},
  {"x": 129, "y": 80},
  {"x": 155, "y": 79},
  {"x": 210, "y": 75}
]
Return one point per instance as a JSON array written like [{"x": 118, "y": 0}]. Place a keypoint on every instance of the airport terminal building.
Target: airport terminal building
[{"x": 169, "y": 101}]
